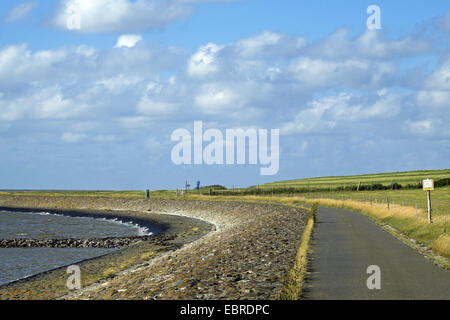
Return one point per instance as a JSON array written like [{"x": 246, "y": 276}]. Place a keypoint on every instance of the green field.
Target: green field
[
  {"x": 440, "y": 198},
  {"x": 386, "y": 179}
]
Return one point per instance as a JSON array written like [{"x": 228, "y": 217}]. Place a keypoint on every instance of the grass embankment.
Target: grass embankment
[{"x": 385, "y": 179}]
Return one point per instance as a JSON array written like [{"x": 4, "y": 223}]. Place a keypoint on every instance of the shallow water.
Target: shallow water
[{"x": 17, "y": 263}]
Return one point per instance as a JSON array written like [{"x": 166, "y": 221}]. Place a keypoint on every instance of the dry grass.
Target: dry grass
[
  {"x": 296, "y": 276},
  {"x": 442, "y": 244}
]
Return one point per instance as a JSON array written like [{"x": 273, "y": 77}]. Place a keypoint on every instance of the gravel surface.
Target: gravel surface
[{"x": 247, "y": 256}]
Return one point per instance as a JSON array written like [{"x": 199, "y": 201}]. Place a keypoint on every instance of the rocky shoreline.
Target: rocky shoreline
[
  {"x": 106, "y": 243},
  {"x": 247, "y": 256}
]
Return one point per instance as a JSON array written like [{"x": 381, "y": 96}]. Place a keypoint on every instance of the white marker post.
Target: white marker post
[{"x": 428, "y": 185}]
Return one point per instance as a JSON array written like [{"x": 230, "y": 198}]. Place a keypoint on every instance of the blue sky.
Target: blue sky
[{"x": 94, "y": 108}]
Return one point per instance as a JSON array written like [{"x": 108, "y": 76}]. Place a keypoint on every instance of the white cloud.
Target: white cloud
[
  {"x": 203, "y": 62},
  {"x": 268, "y": 43},
  {"x": 340, "y": 111},
  {"x": 440, "y": 78},
  {"x": 370, "y": 44},
  {"x": 350, "y": 72},
  {"x": 433, "y": 99},
  {"x": 148, "y": 106},
  {"x": 214, "y": 99},
  {"x": 128, "y": 40},
  {"x": 47, "y": 103},
  {"x": 121, "y": 15},
  {"x": 118, "y": 83},
  {"x": 422, "y": 127},
  {"x": 20, "y": 11},
  {"x": 70, "y": 137}
]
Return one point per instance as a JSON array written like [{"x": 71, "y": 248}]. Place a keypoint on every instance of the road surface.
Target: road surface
[{"x": 345, "y": 244}]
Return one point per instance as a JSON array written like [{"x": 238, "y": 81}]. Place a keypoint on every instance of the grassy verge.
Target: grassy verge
[{"x": 296, "y": 277}]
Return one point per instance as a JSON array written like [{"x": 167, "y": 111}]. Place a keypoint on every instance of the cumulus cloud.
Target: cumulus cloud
[
  {"x": 342, "y": 110},
  {"x": 269, "y": 43},
  {"x": 214, "y": 99},
  {"x": 203, "y": 62},
  {"x": 370, "y": 44},
  {"x": 440, "y": 77},
  {"x": 121, "y": 15},
  {"x": 351, "y": 72},
  {"x": 70, "y": 137},
  {"x": 270, "y": 78},
  {"x": 46, "y": 103},
  {"x": 128, "y": 40},
  {"x": 20, "y": 11},
  {"x": 433, "y": 99}
]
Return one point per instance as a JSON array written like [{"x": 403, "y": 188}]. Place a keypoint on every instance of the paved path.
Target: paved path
[{"x": 345, "y": 243}]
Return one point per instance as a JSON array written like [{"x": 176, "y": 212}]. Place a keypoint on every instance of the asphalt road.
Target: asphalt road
[{"x": 346, "y": 243}]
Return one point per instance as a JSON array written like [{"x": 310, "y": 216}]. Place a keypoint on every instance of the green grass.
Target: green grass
[
  {"x": 386, "y": 179},
  {"x": 440, "y": 198}
]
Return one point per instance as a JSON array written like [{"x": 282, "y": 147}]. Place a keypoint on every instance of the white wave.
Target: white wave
[{"x": 141, "y": 231}]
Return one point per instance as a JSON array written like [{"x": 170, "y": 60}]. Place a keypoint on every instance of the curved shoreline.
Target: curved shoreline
[
  {"x": 247, "y": 257},
  {"x": 168, "y": 235},
  {"x": 159, "y": 226}
]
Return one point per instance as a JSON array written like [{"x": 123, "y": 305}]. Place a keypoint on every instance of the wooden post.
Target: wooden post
[
  {"x": 430, "y": 220},
  {"x": 387, "y": 201},
  {"x": 445, "y": 225}
]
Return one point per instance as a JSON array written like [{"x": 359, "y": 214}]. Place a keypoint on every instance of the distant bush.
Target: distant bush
[
  {"x": 442, "y": 183},
  {"x": 215, "y": 187}
]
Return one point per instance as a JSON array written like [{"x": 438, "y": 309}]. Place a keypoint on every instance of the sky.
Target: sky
[{"x": 92, "y": 91}]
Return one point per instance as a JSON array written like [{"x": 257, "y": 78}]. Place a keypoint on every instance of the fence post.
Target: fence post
[
  {"x": 445, "y": 225},
  {"x": 430, "y": 220},
  {"x": 387, "y": 201}
]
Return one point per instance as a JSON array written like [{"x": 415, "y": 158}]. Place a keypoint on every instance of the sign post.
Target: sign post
[{"x": 428, "y": 185}]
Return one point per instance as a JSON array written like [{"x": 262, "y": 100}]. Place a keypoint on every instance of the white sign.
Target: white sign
[{"x": 428, "y": 184}]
